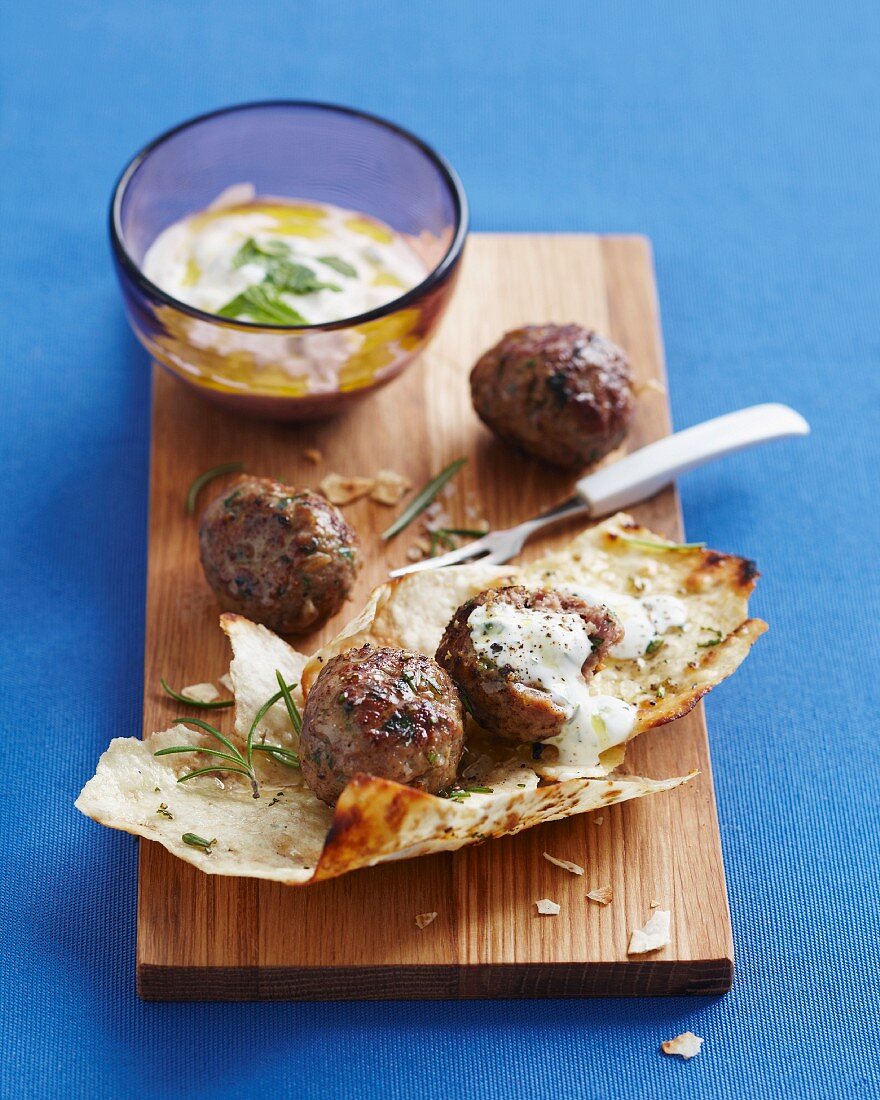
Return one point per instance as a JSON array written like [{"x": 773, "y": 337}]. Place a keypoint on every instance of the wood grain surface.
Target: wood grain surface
[{"x": 232, "y": 939}]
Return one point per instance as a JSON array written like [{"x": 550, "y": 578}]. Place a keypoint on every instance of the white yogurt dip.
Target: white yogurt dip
[{"x": 282, "y": 262}]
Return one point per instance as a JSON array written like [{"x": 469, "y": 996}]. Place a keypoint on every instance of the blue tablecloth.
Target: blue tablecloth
[{"x": 744, "y": 138}]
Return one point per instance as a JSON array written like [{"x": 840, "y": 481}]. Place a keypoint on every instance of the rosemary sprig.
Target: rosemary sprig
[
  {"x": 650, "y": 544},
  {"x": 424, "y": 498},
  {"x": 241, "y": 763},
  {"x": 202, "y": 480},
  {"x": 218, "y": 704}
]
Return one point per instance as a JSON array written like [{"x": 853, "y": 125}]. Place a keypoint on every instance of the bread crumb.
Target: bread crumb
[
  {"x": 202, "y": 693},
  {"x": 313, "y": 455},
  {"x": 653, "y": 936},
  {"x": 547, "y": 908},
  {"x": 390, "y": 487},
  {"x": 226, "y": 681},
  {"x": 653, "y": 903},
  {"x": 598, "y": 819},
  {"x": 564, "y": 864},
  {"x": 424, "y": 919},
  {"x": 602, "y": 895},
  {"x": 687, "y": 1045},
  {"x": 414, "y": 554},
  {"x": 345, "y": 490},
  {"x": 652, "y": 385}
]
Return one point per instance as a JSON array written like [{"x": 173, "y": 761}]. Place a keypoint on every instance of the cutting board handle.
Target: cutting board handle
[{"x": 644, "y": 472}]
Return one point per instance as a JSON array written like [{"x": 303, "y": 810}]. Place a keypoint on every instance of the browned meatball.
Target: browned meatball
[
  {"x": 560, "y": 392},
  {"x": 284, "y": 557},
  {"x": 384, "y": 712},
  {"x": 500, "y": 695}
]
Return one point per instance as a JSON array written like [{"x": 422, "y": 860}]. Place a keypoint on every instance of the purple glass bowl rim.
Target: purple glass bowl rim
[{"x": 434, "y": 278}]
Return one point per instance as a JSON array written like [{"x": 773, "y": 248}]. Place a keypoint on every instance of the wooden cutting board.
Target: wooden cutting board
[{"x": 204, "y": 937}]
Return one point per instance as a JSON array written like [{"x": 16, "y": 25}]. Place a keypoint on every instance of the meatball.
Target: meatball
[
  {"x": 384, "y": 712},
  {"x": 560, "y": 392},
  {"x": 281, "y": 556},
  {"x": 494, "y": 638}
]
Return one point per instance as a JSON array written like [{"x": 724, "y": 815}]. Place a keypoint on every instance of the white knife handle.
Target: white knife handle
[{"x": 644, "y": 472}]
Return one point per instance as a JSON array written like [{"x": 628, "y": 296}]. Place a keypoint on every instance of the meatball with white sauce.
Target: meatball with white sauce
[{"x": 521, "y": 658}]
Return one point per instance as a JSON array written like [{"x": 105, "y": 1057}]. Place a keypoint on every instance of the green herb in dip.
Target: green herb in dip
[{"x": 283, "y": 262}]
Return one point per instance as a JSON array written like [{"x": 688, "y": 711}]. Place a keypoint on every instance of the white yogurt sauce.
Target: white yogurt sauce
[
  {"x": 283, "y": 262},
  {"x": 547, "y": 650},
  {"x": 643, "y": 619}
]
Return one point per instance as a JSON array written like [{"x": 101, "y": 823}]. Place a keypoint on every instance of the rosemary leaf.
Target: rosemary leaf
[
  {"x": 202, "y": 480},
  {"x": 212, "y": 771},
  {"x": 424, "y": 498},
  {"x": 280, "y": 755},
  {"x": 219, "y": 704},
  {"x": 214, "y": 732},
  {"x": 292, "y": 708},
  {"x": 199, "y": 748},
  {"x": 674, "y": 547}
]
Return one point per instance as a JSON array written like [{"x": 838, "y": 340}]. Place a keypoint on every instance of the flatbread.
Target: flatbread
[
  {"x": 288, "y": 835},
  {"x": 411, "y": 612}
]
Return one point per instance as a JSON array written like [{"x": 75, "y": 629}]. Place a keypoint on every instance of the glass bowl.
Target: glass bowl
[{"x": 296, "y": 150}]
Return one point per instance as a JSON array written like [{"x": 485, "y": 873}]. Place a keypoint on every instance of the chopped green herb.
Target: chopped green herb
[
  {"x": 464, "y": 792},
  {"x": 466, "y": 702},
  {"x": 521, "y": 785},
  {"x": 218, "y": 704},
  {"x": 712, "y": 641},
  {"x": 424, "y": 498},
  {"x": 433, "y": 758},
  {"x": 202, "y": 480},
  {"x": 199, "y": 842},
  {"x": 342, "y": 266},
  {"x": 651, "y": 544},
  {"x": 654, "y": 645},
  {"x": 661, "y": 692},
  {"x": 262, "y": 304}
]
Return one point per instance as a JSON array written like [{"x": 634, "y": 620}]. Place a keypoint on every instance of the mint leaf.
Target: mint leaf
[
  {"x": 253, "y": 253},
  {"x": 281, "y": 272},
  {"x": 293, "y": 278},
  {"x": 262, "y": 304},
  {"x": 342, "y": 266}
]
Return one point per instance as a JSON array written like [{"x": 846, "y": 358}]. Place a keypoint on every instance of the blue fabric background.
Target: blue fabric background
[{"x": 744, "y": 138}]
